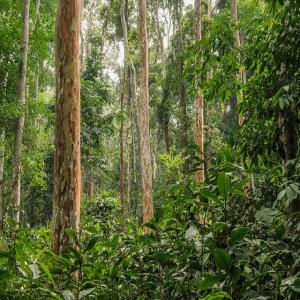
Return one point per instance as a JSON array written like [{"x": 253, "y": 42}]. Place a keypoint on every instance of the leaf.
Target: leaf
[
  {"x": 265, "y": 215},
  {"x": 208, "y": 281},
  {"x": 291, "y": 194},
  {"x": 53, "y": 295},
  {"x": 223, "y": 184},
  {"x": 150, "y": 225},
  {"x": 238, "y": 234},
  {"x": 47, "y": 272},
  {"x": 293, "y": 282},
  {"x": 92, "y": 242},
  {"x": 36, "y": 273},
  {"x": 85, "y": 293},
  {"x": 68, "y": 295},
  {"x": 163, "y": 258},
  {"x": 210, "y": 196},
  {"x": 72, "y": 233},
  {"x": 223, "y": 260},
  {"x": 217, "y": 296},
  {"x": 218, "y": 226}
]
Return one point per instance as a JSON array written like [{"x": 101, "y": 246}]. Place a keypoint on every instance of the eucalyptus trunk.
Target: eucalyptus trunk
[
  {"x": 145, "y": 118},
  {"x": 67, "y": 172},
  {"x": 17, "y": 150}
]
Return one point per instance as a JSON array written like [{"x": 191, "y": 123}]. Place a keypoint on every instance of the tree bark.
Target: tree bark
[
  {"x": 67, "y": 173},
  {"x": 237, "y": 45},
  {"x": 145, "y": 119},
  {"x": 198, "y": 102},
  {"x": 122, "y": 104},
  {"x": 17, "y": 151}
]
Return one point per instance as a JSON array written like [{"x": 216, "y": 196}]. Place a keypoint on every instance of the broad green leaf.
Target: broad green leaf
[
  {"x": 47, "y": 272},
  {"x": 238, "y": 234},
  {"x": 72, "y": 233},
  {"x": 210, "y": 196},
  {"x": 223, "y": 260},
  {"x": 223, "y": 184},
  {"x": 217, "y": 296},
  {"x": 208, "y": 281}
]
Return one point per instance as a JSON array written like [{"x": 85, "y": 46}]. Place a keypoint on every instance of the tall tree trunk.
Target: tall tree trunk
[
  {"x": 2, "y": 156},
  {"x": 135, "y": 135},
  {"x": 67, "y": 173},
  {"x": 122, "y": 104},
  {"x": 198, "y": 102},
  {"x": 17, "y": 152},
  {"x": 207, "y": 154},
  {"x": 237, "y": 45},
  {"x": 145, "y": 118}
]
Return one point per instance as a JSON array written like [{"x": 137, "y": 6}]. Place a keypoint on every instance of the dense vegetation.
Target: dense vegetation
[{"x": 212, "y": 211}]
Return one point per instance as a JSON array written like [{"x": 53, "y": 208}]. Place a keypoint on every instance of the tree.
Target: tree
[
  {"x": 237, "y": 45},
  {"x": 198, "y": 103},
  {"x": 122, "y": 104},
  {"x": 17, "y": 152},
  {"x": 67, "y": 184},
  {"x": 144, "y": 118}
]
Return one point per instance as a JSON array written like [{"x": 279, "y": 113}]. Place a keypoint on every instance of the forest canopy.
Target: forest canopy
[{"x": 150, "y": 149}]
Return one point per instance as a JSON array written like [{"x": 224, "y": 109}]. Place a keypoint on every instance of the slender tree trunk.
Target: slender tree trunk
[
  {"x": 67, "y": 173},
  {"x": 122, "y": 171},
  {"x": 17, "y": 151},
  {"x": 145, "y": 118},
  {"x": 122, "y": 104},
  {"x": 135, "y": 136},
  {"x": 207, "y": 155},
  {"x": 90, "y": 187},
  {"x": 2, "y": 157},
  {"x": 198, "y": 103},
  {"x": 237, "y": 45}
]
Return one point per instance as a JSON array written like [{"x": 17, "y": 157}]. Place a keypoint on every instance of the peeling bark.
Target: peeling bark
[
  {"x": 17, "y": 151},
  {"x": 67, "y": 173},
  {"x": 144, "y": 118}
]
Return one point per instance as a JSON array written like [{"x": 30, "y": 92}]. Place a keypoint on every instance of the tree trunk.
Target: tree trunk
[
  {"x": 207, "y": 154},
  {"x": 67, "y": 173},
  {"x": 2, "y": 156},
  {"x": 145, "y": 119},
  {"x": 17, "y": 151},
  {"x": 90, "y": 187},
  {"x": 237, "y": 45},
  {"x": 135, "y": 137},
  {"x": 198, "y": 102},
  {"x": 122, "y": 104}
]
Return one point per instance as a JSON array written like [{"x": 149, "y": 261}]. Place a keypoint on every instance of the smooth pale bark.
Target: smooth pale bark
[
  {"x": 17, "y": 151},
  {"x": 122, "y": 106},
  {"x": 122, "y": 171},
  {"x": 2, "y": 156},
  {"x": 144, "y": 118},
  {"x": 198, "y": 101},
  {"x": 135, "y": 136},
  {"x": 237, "y": 45},
  {"x": 67, "y": 173}
]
